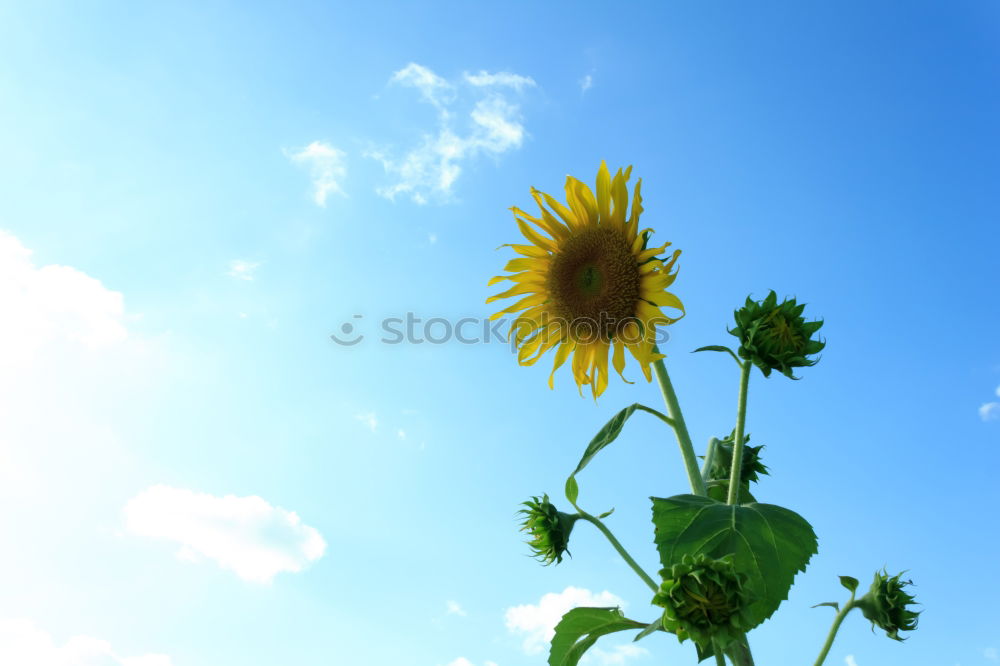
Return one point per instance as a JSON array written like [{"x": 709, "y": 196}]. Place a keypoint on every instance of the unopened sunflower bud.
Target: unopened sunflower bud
[
  {"x": 704, "y": 599},
  {"x": 722, "y": 462},
  {"x": 775, "y": 336},
  {"x": 549, "y": 529},
  {"x": 886, "y": 603}
]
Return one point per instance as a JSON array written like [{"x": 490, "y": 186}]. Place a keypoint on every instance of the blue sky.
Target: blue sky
[{"x": 194, "y": 196}]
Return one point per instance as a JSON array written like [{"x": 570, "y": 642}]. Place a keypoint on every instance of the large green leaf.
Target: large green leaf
[
  {"x": 580, "y": 628},
  {"x": 769, "y": 544}
]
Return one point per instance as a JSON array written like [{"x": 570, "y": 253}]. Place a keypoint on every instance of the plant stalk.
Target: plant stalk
[
  {"x": 706, "y": 465},
  {"x": 621, "y": 549},
  {"x": 741, "y": 417},
  {"x": 680, "y": 427},
  {"x": 848, "y": 607}
]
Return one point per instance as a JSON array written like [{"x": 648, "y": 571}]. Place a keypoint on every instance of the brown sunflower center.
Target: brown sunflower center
[{"x": 594, "y": 283}]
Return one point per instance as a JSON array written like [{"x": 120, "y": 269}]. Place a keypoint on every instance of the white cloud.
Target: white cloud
[
  {"x": 24, "y": 644},
  {"x": 492, "y": 126},
  {"x": 462, "y": 661},
  {"x": 454, "y": 608},
  {"x": 586, "y": 83},
  {"x": 401, "y": 433},
  {"x": 989, "y": 411},
  {"x": 849, "y": 660},
  {"x": 508, "y": 79},
  {"x": 244, "y": 534},
  {"x": 370, "y": 419},
  {"x": 432, "y": 87},
  {"x": 242, "y": 269},
  {"x": 538, "y": 622},
  {"x": 52, "y": 305},
  {"x": 990, "y": 652},
  {"x": 432, "y": 238},
  {"x": 327, "y": 168}
]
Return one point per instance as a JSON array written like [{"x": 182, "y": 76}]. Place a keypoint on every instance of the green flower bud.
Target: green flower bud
[
  {"x": 750, "y": 469},
  {"x": 886, "y": 604},
  {"x": 776, "y": 337},
  {"x": 549, "y": 529},
  {"x": 704, "y": 599}
]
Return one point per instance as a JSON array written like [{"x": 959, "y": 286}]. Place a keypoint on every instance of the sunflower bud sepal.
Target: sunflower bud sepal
[
  {"x": 886, "y": 605},
  {"x": 706, "y": 600},
  {"x": 775, "y": 336},
  {"x": 549, "y": 529}
]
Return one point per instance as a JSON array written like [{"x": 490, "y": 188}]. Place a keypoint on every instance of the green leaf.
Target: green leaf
[
  {"x": 832, "y": 604},
  {"x": 572, "y": 490},
  {"x": 606, "y": 513},
  {"x": 849, "y": 582},
  {"x": 769, "y": 544},
  {"x": 580, "y": 628},
  {"x": 652, "y": 627},
  {"x": 610, "y": 432},
  {"x": 719, "y": 348}
]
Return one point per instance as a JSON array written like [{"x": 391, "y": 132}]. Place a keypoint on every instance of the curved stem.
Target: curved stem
[
  {"x": 680, "y": 428},
  {"x": 621, "y": 550},
  {"x": 848, "y": 607},
  {"x": 741, "y": 417}
]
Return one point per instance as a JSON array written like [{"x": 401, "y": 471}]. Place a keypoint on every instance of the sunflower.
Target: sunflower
[{"x": 589, "y": 285}]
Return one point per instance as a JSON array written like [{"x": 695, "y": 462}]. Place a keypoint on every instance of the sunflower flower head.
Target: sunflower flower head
[
  {"x": 886, "y": 605},
  {"x": 774, "y": 336},
  {"x": 549, "y": 529},
  {"x": 704, "y": 599},
  {"x": 750, "y": 469},
  {"x": 587, "y": 283}
]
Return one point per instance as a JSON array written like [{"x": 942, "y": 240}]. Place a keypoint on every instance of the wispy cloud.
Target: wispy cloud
[
  {"x": 991, "y": 652},
  {"x": 241, "y": 269},
  {"x": 990, "y": 411},
  {"x": 370, "y": 419},
  {"x": 586, "y": 83},
  {"x": 454, "y": 608},
  {"x": 485, "y": 79},
  {"x": 475, "y": 117},
  {"x": 462, "y": 661},
  {"x": 327, "y": 168},
  {"x": 244, "y": 534},
  {"x": 849, "y": 660},
  {"x": 24, "y": 644},
  {"x": 537, "y": 622},
  {"x": 618, "y": 654}
]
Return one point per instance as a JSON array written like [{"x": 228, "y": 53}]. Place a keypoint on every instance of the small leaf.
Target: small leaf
[
  {"x": 718, "y": 348},
  {"x": 611, "y": 430},
  {"x": 832, "y": 604},
  {"x": 849, "y": 582},
  {"x": 580, "y": 628},
  {"x": 607, "y": 513},
  {"x": 651, "y": 628},
  {"x": 769, "y": 544},
  {"x": 572, "y": 490}
]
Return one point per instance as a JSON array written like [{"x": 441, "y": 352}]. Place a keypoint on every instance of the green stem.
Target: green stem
[
  {"x": 739, "y": 653},
  {"x": 621, "y": 550},
  {"x": 719, "y": 659},
  {"x": 680, "y": 428},
  {"x": 741, "y": 417},
  {"x": 848, "y": 607}
]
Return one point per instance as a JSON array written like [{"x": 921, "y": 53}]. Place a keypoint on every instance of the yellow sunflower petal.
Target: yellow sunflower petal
[
  {"x": 619, "y": 195},
  {"x": 638, "y": 241},
  {"x": 562, "y": 353},
  {"x": 546, "y": 223},
  {"x": 604, "y": 193},
  {"x": 528, "y": 301},
  {"x": 618, "y": 360},
  {"x": 600, "y": 360},
  {"x": 536, "y": 238},
  {"x": 526, "y": 264},
  {"x": 581, "y": 200},
  {"x": 633, "y": 220},
  {"x": 516, "y": 290},
  {"x": 662, "y": 299},
  {"x": 650, "y": 267},
  {"x": 565, "y": 213},
  {"x": 651, "y": 252},
  {"x": 528, "y": 250}
]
